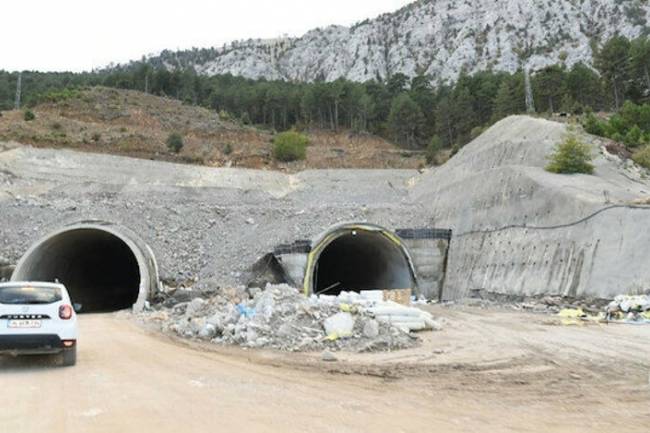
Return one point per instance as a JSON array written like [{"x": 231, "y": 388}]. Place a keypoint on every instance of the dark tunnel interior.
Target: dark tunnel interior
[
  {"x": 361, "y": 260},
  {"x": 98, "y": 268}
]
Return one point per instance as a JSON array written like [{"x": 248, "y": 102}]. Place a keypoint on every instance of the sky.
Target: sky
[{"x": 79, "y": 35}]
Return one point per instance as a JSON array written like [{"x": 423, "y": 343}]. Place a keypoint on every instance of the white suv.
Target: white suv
[{"x": 37, "y": 319}]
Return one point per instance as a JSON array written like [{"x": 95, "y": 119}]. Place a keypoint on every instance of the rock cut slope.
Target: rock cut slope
[
  {"x": 440, "y": 38},
  {"x": 520, "y": 230}
]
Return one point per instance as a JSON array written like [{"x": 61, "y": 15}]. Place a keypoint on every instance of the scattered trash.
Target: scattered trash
[
  {"x": 572, "y": 316},
  {"x": 245, "y": 311},
  {"x": 339, "y": 325},
  {"x": 400, "y": 296},
  {"x": 629, "y": 309},
  {"x": 634, "y": 310},
  {"x": 571, "y": 313}
]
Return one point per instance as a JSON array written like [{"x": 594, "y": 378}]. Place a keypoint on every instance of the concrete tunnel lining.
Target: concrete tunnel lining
[
  {"x": 358, "y": 257},
  {"x": 105, "y": 267}
]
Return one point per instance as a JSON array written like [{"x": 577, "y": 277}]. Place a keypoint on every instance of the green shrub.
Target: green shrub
[
  {"x": 616, "y": 137},
  {"x": 476, "y": 131},
  {"x": 56, "y": 126},
  {"x": 224, "y": 115},
  {"x": 96, "y": 137},
  {"x": 175, "y": 142},
  {"x": 629, "y": 125},
  {"x": 61, "y": 95},
  {"x": 227, "y": 149},
  {"x": 290, "y": 146},
  {"x": 571, "y": 156},
  {"x": 633, "y": 137},
  {"x": 29, "y": 116},
  {"x": 433, "y": 148},
  {"x": 594, "y": 126},
  {"x": 642, "y": 156},
  {"x": 616, "y": 126}
]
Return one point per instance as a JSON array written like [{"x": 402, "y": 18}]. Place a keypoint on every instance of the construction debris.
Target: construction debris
[
  {"x": 630, "y": 309},
  {"x": 280, "y": 317},
  {"x": 624, "y": 309}
]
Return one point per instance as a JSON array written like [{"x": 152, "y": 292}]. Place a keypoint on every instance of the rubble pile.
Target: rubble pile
[{"x": 280, "y": 317}]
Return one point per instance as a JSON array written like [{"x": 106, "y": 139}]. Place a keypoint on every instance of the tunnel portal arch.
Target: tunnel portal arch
[
  {"x": 356, "y": 257},
  {"x": 106, "y": 267}
]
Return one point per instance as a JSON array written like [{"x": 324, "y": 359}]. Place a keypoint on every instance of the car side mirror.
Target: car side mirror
[{"x": 77, "y": 307}]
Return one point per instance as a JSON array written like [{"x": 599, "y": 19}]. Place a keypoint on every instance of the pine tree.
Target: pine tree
[
  {"x": 511, "y": 97},
  {"x": 640, "y": 61},
  {"x": 613, "y": 62},
  {"x": 549, "y": 88},
  {"x": 584, "y": 86},
  {"x": 405, "y": 120},
  {"x": 462, "y": 113}
]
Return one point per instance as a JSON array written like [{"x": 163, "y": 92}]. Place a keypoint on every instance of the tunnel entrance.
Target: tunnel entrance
[
  {"x": 358, "y": 259},
  {"x": 101, "y": 270}
]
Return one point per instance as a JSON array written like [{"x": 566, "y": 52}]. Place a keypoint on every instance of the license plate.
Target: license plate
[{"x": 24, "y": 324}]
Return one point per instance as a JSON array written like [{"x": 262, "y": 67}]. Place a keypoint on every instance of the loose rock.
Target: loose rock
[
  {"x": 328, "y": 356},
  {"x": 280, "y": 317}
]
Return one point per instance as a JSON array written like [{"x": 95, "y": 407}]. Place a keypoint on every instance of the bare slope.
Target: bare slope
[{"x": 137, "y": 124}]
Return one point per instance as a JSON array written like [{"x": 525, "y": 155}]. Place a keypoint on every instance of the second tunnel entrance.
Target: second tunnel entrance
[{"x": 355, "y": 259}]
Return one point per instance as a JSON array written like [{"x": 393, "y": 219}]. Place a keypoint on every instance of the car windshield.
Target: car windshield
[{"x": 29, "y": 295}]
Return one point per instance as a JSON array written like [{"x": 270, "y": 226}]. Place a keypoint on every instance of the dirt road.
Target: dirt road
[{"x": 129, "y": 380}]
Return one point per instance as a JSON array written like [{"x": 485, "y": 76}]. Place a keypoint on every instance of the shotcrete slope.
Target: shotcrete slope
[{"x": 519, "y": 229}]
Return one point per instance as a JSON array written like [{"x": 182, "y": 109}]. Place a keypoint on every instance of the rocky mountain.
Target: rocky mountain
[{"x": 435, "y": 37}]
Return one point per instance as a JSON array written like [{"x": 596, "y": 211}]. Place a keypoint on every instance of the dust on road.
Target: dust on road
[{"x": 129, "y": 380}]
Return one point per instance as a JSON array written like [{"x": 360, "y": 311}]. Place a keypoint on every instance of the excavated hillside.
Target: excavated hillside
[
  {"x": 517, "y": 229},
  {"x": 136, "y": 124}
]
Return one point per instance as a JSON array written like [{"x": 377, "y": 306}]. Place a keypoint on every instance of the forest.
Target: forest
[{"x": 411, "y": 112}]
